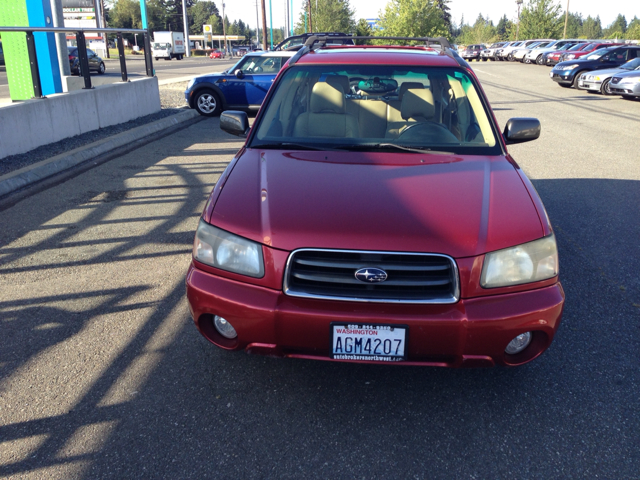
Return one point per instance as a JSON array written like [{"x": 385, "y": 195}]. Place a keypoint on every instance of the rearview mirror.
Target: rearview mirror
[
  {"x": 235, "y": 123},
  {"x": 519, "y": 130},
  {"x": 239, "y": 74}
]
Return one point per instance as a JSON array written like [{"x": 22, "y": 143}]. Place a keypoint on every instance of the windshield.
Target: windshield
[
  {"x": 376, "y": 107},
  {"x": 598, "y": 53},
  {"x": 160, "y": 46},
  {"x": 259, "y": 64},
  {"x": 632, "y": 64}
]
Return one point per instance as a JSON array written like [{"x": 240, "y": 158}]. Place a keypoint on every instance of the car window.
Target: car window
[
  {"x": 259, "y": 64},
  {"x": 598, "y": 53},
  {"x": 361, "y": 106},
  {"x": 90, "y": 53},
  {"x": 632, "y": 64}
]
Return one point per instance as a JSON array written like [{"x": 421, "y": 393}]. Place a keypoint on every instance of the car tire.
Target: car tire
[
  {"x": 605, "y": 88},
  {"x": 179, "y": 57},
  {"x": 576, "y": 79},
  {"x": 156, "y": 58},
  {"x": 540, "y": 60},
  {"x": 101, "y": 69},
  {"x": 510, "y": 57},
  {"x": 484, "y": 59},
  {"x": 207, "y": 103}
]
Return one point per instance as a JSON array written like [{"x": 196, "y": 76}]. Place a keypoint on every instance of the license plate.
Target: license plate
[
  {"x": 382, "y": 343},
  {"x": 585, "y": 85}
]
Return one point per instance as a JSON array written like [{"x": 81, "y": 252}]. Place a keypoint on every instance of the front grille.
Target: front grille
[{"x": 411, "y": 277}]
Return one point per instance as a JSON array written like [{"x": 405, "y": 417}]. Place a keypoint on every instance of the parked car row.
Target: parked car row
[{"x": 593, "y": 65}]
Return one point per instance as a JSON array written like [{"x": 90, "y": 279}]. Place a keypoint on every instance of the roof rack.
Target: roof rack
[{"x": 318, "y": 41}]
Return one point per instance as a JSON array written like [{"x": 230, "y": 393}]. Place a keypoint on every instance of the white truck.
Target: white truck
[{"x": 168, "y": 45}]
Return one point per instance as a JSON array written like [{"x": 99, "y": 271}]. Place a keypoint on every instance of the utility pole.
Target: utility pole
[
  {"x": 264, "y": 26},
  {"x": 186, "y": 28},
  {"x": 271, "y": 23},
  {"x": 519, "y": 2},
  {"x": 310, "y": 24},
  {"x": 566, "y": 20}
]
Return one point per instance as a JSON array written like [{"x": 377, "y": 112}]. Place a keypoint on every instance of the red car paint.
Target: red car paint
[{"x": 463, "y": 206}]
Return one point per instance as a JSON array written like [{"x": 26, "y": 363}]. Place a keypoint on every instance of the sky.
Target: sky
[{"x": 494, "y": 9}]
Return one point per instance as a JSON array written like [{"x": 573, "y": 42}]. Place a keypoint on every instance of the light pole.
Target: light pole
[
  {"x": 519, "y": 2},
  {"x": 135, "y": 37},
  {"x": 186, "y": 29},
  {"x": 224, "y": 29}
]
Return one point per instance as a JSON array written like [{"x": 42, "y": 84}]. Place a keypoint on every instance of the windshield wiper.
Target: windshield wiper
[
  {"x": 289, "y": 146},
  {"x": 391, "y": 146}
]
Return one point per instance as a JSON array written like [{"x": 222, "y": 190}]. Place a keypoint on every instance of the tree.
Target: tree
[
  {"x": 201, "y": 14},
  {"x": 328, "y": 16},
  {"x": 482, "y": 31},
  {"x": 412, "y": 18},
  {"x": 363, "y": 30},
  {"x": 617, "y": 29},
  {"x": 574, "y": 25},
  {"x": 503, "y": 28},
  {"x": 592, "y": 28},
  {"x": 446, "y": 15},
  {"x": 541, "y": 19},
  {"x": 633, "y": 30}
]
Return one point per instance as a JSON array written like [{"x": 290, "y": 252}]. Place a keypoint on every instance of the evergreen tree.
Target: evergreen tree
[
  {"x": 446, "y": 15},
  {"x": 617, "y": 29},
  {"x": 574, "y": 25},
  {"x": 482, "y": 31},
  {"x": 503, "y": 27},
  {"x": 592, "y": 28},
  {"x": 363, "y": 30}
]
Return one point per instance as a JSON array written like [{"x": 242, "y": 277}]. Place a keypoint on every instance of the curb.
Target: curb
[{"x": 99, "y": 151}]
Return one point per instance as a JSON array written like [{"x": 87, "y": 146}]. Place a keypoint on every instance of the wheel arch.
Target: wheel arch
[{"x": 207, "y": 86}]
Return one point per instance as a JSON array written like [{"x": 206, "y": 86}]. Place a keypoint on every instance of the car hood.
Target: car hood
[
  {"x": 628, "y": 74},
  {"x": 606, "y": 73},
  {"x": 376, "y": 201}
]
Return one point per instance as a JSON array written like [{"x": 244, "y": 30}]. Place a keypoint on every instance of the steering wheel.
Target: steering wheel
[{"x": 431, "y": 132}]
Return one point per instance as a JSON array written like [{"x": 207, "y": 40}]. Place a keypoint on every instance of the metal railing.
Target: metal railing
[{"x": 82, "y": 51}]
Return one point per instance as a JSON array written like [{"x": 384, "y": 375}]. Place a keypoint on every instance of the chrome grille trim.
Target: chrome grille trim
[{"x": 450, "y": 276}]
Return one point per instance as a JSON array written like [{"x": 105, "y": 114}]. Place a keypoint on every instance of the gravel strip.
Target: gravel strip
[
  {"x": 172, "y": 95},
  {"x": 171, "y": 101}
]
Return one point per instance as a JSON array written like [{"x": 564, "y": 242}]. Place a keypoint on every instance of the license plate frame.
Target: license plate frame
[{"x": 360, "y": 351}]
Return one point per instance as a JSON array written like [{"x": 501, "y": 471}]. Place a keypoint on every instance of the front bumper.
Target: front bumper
[
  {"x": 565, "y": 77},
  {"x": 628, "y": 89},
  {"x": 471, "y": 332}
]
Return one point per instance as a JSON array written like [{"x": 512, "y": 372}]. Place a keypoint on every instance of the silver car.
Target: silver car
[
  {"x": 626, "y": 84},
  {"x": 599, "y": 80},
  {"x": 490, "y": 53}
]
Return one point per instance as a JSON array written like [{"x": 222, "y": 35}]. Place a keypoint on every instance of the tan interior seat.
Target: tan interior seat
[
  {"x": 393, "y": 110},
  {"x": 327, "y": 116},
  {"x": 340, "y": 82},
  {"x": 417, "y": 106}
]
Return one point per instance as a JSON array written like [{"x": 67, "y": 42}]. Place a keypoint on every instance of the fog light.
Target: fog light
[
  {"x": 518, "y": 344},
  {"x": 226, "y": 330}
]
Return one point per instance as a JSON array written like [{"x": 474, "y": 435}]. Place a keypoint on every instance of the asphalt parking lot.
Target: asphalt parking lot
[{"x": 103, "y": 375}]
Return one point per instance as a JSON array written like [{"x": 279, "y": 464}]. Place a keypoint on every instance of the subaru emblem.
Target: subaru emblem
[{"x": 371, "y": 275}]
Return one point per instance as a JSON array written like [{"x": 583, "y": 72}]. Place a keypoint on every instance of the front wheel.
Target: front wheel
[
  {"x": 605, "y": 89},
  {"x": 510, "y": 57},
  {"x": 101, "y": 69},
  {"x": 207, "y": 103},
  {"x": 576, "y": 79}
]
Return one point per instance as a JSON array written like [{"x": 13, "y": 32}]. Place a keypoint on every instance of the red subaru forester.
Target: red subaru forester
[{"x": 375, "y": 215}]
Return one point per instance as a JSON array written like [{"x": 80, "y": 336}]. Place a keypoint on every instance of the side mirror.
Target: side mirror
[
  {"x": 519, "y": 130},
  {"x": 235, "y": 123},
  {"x": 239, "y": 74}
]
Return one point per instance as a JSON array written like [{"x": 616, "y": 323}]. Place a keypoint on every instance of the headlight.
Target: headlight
[
  {"x": 190, "y": 84},
  {"x": 571, "y": 56},
  {"x": 568, "y": 67},
  {"x": 526, "y": 263},
  {"x": 226, "y": 251}
]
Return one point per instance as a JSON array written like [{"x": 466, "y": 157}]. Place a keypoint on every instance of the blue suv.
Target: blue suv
[{"x": 241, "y": 87}]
